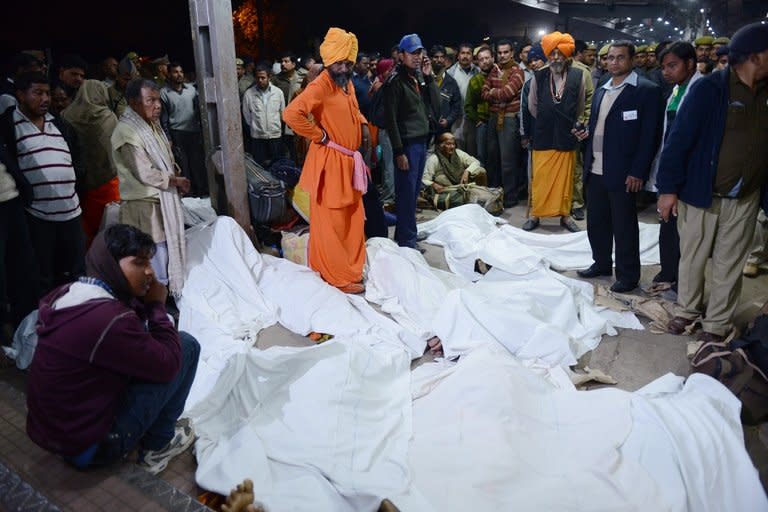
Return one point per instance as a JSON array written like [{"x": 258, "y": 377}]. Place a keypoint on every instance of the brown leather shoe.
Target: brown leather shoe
[
  {"x": 707, "y": 337},
  {"x": 678, "y": 325}
]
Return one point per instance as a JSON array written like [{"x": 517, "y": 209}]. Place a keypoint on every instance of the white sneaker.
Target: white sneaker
[{"x": 155, "y": 461}]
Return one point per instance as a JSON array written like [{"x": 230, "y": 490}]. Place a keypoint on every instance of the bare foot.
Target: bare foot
[
  {"x": 435, "y": 345},
  {"x": 241, "y": 499}
]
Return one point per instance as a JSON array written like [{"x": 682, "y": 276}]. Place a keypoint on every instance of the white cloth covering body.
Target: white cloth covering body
[{"x": 343, "y": 425}]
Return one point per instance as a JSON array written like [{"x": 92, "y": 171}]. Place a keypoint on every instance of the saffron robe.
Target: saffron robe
[{"x": 336, "y": 234}]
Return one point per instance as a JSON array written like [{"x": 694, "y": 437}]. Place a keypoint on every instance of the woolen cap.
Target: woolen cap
[{"x": 749, "y": 39}]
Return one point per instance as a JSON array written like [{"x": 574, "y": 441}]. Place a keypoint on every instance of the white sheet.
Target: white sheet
[
  {"x": 538, "y": 314},
  {"x": 469, "y": 232},
  {"x": 323, "y": 428},
  {"x": 328, "y": 427},
  {"x": 490, "y": 434}
]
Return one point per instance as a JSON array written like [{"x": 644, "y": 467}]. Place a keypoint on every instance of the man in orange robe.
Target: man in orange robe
[{"x": 336, "y": 128}]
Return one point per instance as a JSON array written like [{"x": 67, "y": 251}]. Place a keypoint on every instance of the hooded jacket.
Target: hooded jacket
[{"x": 90, "y": 347}]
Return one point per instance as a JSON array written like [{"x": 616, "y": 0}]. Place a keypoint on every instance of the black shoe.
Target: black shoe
[
  {"x": 661, "y": 278},
  {"x": 570, "y": 225},
  {"x": 622, "y": 287},
  {"x": 578, "y": 213},
  {"x": 531, "y": 224},
  {"x": 594, "y": 271}
]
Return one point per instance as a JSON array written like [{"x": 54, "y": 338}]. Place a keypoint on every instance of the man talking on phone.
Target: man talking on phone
[
  {"x": 111, "y": 373},
  {"x": 411, "y": 97}
]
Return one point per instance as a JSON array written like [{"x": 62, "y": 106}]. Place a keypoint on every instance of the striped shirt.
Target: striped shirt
[{"x": 45, "y": 160}]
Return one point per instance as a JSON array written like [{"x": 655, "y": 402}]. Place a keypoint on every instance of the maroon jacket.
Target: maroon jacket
[{"x": 85, "y": 358}]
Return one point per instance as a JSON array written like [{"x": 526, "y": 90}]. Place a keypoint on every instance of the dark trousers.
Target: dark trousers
[
  {"x": 611, "y": 216},
  {"x": 266, "y": 150},
  {"x": 290, "y": 144},
  {"x": 60, "y": 250},
  {"x": 148, "y": 411},
  {"x": 188, "y": 149},
  {"x": 669, "y": 250},
  {"x": 375, "y": 223},
  {"x": 19, "y": 272},
  {"x": 407, "y": 188},
  {"x": 503, "y": 160}
]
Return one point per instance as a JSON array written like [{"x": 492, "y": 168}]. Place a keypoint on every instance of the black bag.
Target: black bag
[
  {"x": 266, "y": 202},
  {"x": 266, "y": 194},
  {"x": 730, "y": 363}
]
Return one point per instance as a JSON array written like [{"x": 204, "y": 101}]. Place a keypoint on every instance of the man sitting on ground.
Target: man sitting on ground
[
  {"x": 454, "y": 178},
  {"x": 111, "y": 372}
]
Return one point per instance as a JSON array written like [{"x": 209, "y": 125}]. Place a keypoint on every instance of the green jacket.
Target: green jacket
[
  {"x": 475, "y": 108},
  {"x": 407, "y": 110}
]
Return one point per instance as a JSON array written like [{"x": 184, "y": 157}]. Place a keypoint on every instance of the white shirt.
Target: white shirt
[
  {"x": 46, "y": 163},
  {"x": 609, "y": 97}
]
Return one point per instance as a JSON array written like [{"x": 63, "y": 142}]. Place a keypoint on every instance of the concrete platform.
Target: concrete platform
[{"x": 31, "y": 479}]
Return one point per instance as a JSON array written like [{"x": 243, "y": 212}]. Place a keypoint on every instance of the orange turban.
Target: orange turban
[
  {"x": 338, "y": 45},
  {"x": 563, "y": 42}
]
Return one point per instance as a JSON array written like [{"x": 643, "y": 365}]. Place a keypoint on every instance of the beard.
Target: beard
[
  {"x": 341, "y": 79},
  {"x": 437, "y": 68},
  {"x": 557, "y": 67}
]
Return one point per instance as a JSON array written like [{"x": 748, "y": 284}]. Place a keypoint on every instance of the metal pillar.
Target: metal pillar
[{"x": 214, "y": 45}]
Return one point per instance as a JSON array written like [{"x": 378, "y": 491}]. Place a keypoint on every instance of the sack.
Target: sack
[
  {"x": 296, "y": 247},
  {"x": 492, "y": 199},
  {"x": 729, "y": 363},
  {"x": 450, "y": 198},
  {"x": 755, "y": 343}
]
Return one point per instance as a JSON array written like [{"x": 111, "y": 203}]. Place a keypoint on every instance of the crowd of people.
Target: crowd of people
[{"x": 574, "y": 130}]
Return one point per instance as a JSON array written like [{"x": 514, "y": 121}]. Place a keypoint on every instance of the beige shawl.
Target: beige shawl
[{"x": 152, "y": 139}]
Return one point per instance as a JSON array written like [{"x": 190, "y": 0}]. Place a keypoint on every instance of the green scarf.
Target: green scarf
[{"x": 450, "y": 170}]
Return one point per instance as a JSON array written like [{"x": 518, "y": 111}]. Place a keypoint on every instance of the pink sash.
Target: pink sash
[{"x": 361, "y": 173}]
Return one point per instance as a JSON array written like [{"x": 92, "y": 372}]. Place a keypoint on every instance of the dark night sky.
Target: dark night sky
[{"x": 154, "y": 27}]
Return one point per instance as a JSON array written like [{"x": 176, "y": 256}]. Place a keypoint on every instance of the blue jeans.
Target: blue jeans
[
  {"x": 387, "y": 166},
  {"x": 407, "y": 188},
  {"x": 481, "y": 132},
  {"x": 503, "y": 164},
  {"x": 149, "y": 410}
]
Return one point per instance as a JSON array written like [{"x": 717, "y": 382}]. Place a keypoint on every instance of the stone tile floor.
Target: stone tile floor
[{"x": 34, "y": 480}]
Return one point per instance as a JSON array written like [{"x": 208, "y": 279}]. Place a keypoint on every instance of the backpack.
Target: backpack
[{"x": 737, "y": 365}]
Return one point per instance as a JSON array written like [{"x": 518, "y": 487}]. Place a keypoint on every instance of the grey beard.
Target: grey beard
[
  {"x": 557, "y": 67},
  {"x": 341, "y": 79}
]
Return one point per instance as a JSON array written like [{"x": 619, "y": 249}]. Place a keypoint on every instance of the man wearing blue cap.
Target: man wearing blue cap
[
  {"x": 712, "y": 178},
  {"x": 411, "y": 98}
]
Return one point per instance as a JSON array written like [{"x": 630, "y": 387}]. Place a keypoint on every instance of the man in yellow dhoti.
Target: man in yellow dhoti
[{"x": 556, "y": 101}]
